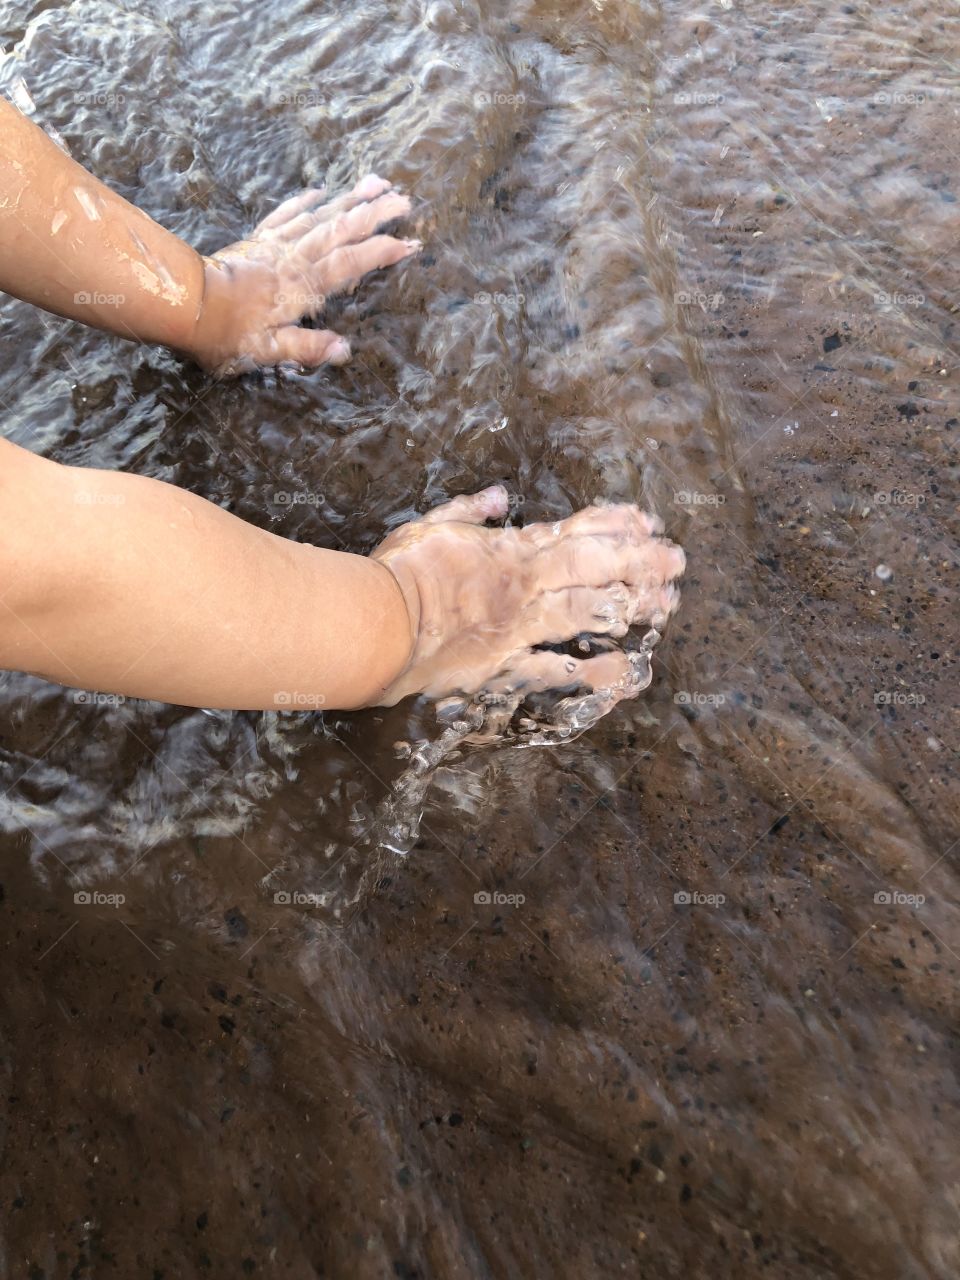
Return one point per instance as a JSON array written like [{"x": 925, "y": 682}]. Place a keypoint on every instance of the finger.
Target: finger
[
  {"x": 309, "y": 348},
  {"x": 591, "y": 561},
  {"x": 618, "y": 520},
  {"x": 540, "y": 672},
  {"x": 289, "y": 210},
  {"x": 355, "y": 225},
  {"x": 665, "y": 602},
  {"x": 557, "y": 616},
  {"x": 471, "y": 508},
  {"x": 343, "y": 268},
  {"x": 369, "y": 188}
]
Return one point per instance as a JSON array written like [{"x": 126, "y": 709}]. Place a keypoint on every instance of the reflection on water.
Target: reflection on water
[{"x": 675, "y": 998}]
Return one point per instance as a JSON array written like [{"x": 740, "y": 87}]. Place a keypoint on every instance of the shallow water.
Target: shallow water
[{"x": 700, "y": 257}]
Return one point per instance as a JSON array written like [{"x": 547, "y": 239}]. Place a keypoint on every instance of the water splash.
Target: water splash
[{"x": 515, "y": 720}]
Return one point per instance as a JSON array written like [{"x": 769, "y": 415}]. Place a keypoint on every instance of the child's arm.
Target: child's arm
[
  {"x": 119, "y": 583},
  {"x": 122, "y": 584},
  {"x": 73, "y": 246}
]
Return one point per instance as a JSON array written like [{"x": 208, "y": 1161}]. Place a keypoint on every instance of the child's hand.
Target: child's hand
[
  {"x": 104, "y": 262},
  {"x": 258, "y": 290},
  {"x": 481, "y": 600}
]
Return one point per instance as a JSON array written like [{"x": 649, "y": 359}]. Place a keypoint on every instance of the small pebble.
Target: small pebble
[{"x": 883, "y": 572}]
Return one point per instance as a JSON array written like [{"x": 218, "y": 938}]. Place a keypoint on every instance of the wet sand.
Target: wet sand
[{"x": 699, "y": 258}]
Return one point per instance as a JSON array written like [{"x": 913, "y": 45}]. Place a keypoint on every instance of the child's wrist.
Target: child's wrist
[
  {"x": 402, "y": 624},
  {"x": 212, "y": 342}
]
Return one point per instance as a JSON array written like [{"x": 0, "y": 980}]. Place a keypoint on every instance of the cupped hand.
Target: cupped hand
[
  {"x": 482, "y": 600},
  {"x": 257, "y": 291}
]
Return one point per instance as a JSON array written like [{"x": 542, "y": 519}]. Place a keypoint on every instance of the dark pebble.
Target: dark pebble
[{"x": 236, "y": 923}]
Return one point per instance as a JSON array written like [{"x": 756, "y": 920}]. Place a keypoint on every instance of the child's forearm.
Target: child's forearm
[
  {"x": 121, "y": 583},
  {"x": 73, "y": 246}
]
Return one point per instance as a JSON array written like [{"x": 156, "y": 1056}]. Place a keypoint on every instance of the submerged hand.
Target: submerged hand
[
  {"x": 258, "y": 290},
  {"x": 481, "y": 600}
]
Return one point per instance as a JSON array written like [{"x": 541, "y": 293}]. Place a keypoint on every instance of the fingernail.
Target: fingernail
[
  {"x": 414, "y": 246},
  {"x": 496, "y": 499},
  {"x": 340, "y": 352}
]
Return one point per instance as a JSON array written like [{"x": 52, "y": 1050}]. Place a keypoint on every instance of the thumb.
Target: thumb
[
  {"x": 310, "y": 347},
  {"x": 471, "y": 508}
]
